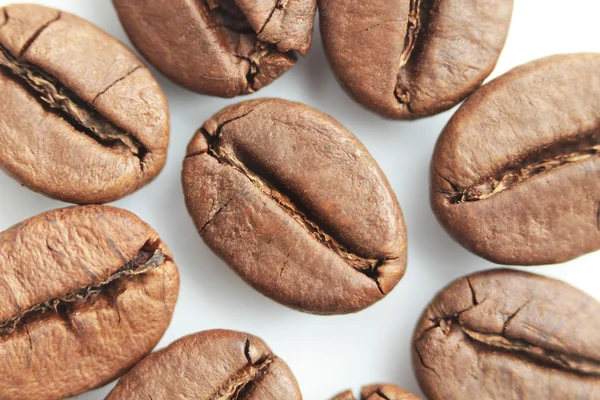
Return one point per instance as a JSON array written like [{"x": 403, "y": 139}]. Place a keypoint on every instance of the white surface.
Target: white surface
[{"x": 328, "y": 354}]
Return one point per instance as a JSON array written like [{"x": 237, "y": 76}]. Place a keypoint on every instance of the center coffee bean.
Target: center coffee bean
[
  {"x": 82, "y": 120},
  {"x": 220, "y": 47},
  {"x": 296, "y": 205},
  {"x": 85, "y": 293},
  {"x": 211, "y": 365},
  {"x": 509, "y": 335},
  {"x": 379, "y": 392},
  {"x": 407, "y": 59},
  {"x": 514, "y": 176}
]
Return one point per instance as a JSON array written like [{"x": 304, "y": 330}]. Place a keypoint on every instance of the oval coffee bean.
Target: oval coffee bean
[
  {"x": 509, "y": 335},
  {"x": 82, "y": 119},
  {"x": 211, "y": 365},
  {"x": 514, "y": 176},
  {"x": 296, "y": 205},
  {"x": 85, "y": 293},
  {"x": 379, "y": 392},
  {"x": 408, "y": 59},
  {"x": 220, "y": 47}
]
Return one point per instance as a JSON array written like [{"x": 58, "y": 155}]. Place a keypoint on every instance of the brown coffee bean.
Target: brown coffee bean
[
  {"x": 408, "y": 59},
  {"x": 509, "y": 335},
  {"x": 379, "y": 392},
  {"x": 296, "y": 205},
  {"x": 82, "y": 120},
  {"x": 211, "y": 365},
  {"x": 220, "y": 47},
  {"x": 514, "y": 177},
  {"x": 85, "y": 293}
]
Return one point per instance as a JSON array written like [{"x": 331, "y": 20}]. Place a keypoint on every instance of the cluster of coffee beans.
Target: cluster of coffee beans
[{"x": 290, "y": 199}]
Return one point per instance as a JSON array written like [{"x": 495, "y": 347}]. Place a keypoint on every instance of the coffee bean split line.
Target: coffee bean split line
[
  {"x": 58, "y": 99},
  {"x": 144, "y": 261},
  {"x": 542, "y": 162},
  {"x": 367, "y": 266}
]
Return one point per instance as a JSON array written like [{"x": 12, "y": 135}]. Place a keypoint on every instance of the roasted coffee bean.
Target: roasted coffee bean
[
  {"x": 85, "y": 293},
  {"x": 408, "y": 59},
  {"x": 220, "y": 47},
  {"x": 514, "y": 177},
  {"x": 509, "y": 335},
  {"x": 211, "y": 365},
  {"x": 379, "y": 392},
  {"x": 82, "y": 120},
  {"x": 296, "y": 205}
]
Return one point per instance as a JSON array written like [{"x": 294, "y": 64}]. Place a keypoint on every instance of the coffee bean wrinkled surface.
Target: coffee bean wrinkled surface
[
  {"x": 211, "y": 365},
  {"x": 379, "y": 392},
  {"x": 296, "y": 205},
  {"x": 220, "y": 47},
  {"x": 508, "y": 334},
  {"x": 85, "y": 293},
  {"x": 514, "y": 176},
  {"x": 408, "y": 59},
  {"x": 82, "y": 120}
]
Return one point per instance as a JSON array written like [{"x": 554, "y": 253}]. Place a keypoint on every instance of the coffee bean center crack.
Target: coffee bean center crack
[
  {"x": 144, "y": 261},
  {"x": 541, "y": 162},
  {"x": 241, "y": 384},
  {"x": 367, "y": 266},
  {"x": 61, "y": 101},
  {"x": 500, "y": 342}
]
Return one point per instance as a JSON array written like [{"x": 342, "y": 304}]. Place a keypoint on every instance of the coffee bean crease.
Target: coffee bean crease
[
  {"x": 367, "y": 266},
  {"x": 148, "y": 258},
  {"x": 541, "y": 162}
]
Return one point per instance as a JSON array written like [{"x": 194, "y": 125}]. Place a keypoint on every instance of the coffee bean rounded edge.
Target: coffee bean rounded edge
[
  {"x": 505, "y": 334},
  {"x": 296, "y": 205},
  {"x": 85, "y": 293},
  {"x": 209, "y": 365},
  {"x": 220, "y": 47},
  {"x": 379, "y": 392},
  {"x": 514, "y": 176},
  {"x": 82, "y": 119},
  {"x": 407, "y": 59}
]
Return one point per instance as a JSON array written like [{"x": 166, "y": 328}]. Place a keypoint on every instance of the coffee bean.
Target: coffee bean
[
  {"x": 515, "y": 172},
  {"x": 379, "y": 392},
  {"x": 85, "y": 293},
  {"x": 408, "y": 59},
  {"x": 82, "y": 120},
  {"x": 509, "y": 335},
  {"x": 296, "y": 205},
  {"x": 211, "y": 365},
  {"x": 220, "y": 47}
]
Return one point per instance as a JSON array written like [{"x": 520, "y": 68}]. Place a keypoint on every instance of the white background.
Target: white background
[{"x": 327, "y": 354}]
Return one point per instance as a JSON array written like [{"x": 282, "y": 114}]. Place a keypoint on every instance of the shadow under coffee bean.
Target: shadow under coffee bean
[
  {"x": 514, "y": 176},
  {"x": 83, "y": 120},
  {"x": 296, "y": 205},
  {"x": 85, "y": 293}
]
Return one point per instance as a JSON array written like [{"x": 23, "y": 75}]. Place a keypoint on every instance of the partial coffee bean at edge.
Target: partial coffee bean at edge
[
  {"x": 379, "y": 392},
  {"x": 505, "y": 334},
  {"x": 211, "y": 365},
  {"x": 296, "y": 205},
  {"x": 408, "y": 59},
  {"x": 85, "y": 293},
  {"x": 514, "y": 176},
  {"x": 220, "y": 47},
  {"x": 71, "y": 134}
]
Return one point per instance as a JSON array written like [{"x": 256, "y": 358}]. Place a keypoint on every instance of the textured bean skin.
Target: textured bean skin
[
  {"x": 379, "y": 392},
  {"x": 506, "y": 334},
  {"x": 295, "y": 204},
  {"x": 210, "y": 365},
  {"x": 43, "y": 148},
  {"x": 514, "y": 176},
  {"x": 222, "y": 48},
  {"x": 407, "y": 59},
  {"x": 54, "y": 349}
]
